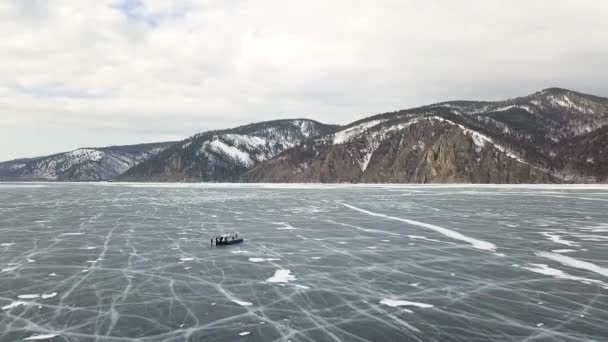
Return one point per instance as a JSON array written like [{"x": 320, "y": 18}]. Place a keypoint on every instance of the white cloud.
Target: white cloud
[{"x": 152, "y": 69}]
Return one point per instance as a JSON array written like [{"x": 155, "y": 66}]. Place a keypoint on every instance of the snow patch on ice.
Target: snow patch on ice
[{"x": 281, "y": 276}]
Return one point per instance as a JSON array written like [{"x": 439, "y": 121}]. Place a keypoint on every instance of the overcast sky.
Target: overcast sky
[{"x": 79, "y": 73}]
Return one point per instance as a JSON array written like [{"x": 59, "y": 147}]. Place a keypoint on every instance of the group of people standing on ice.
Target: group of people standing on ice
[{"x": 225, "y": 238}]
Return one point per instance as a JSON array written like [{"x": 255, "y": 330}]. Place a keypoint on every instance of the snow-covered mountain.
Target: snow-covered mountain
[
  {"x": 84, "y": 164},
  {"x": 529, "y": 139},
  {"x": 225, "y": 155}
]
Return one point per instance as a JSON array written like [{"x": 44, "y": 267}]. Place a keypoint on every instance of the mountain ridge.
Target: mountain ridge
[
  {"x": 224, "y": 155},
  {"x": 550, "y": 136}
]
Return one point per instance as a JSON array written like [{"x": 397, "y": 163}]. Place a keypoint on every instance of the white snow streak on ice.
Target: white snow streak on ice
[
  {"x": 37, "y": 337},
  {"x": 558, "y": 239},
  {"x": 245, "y": 333},
  {"x": 575, "y": 263},
  {"x": 49, "y": 295},
  {"x": 563, "y": 250},
  {"x": 263, "y": 259},
  {"x": 553, "y": 272},
  {"x": 7, "y": 244},
  {"x": 479, "y": 244},
  {"x": 241, "y": 302},
  {"x": 14, "y": 305},
  {"x": 395, "y": 303},
  {"x": 28, "y": 296},
  {"x": 422, "y": 238}
]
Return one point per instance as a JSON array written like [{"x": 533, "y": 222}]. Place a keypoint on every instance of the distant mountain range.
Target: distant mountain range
[
  {"x": 552, "y": 136},
  {"x": 83, "y": 164}
]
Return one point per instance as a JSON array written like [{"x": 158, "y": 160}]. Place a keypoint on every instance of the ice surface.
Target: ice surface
[
  {"x": 238, "y": 251},
  {"x": 153, "y": 275}
]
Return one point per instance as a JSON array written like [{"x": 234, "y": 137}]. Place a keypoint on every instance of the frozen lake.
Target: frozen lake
[{"x": 126, "y": 262}]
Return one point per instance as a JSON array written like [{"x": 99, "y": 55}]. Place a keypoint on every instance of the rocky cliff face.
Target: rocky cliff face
[
  {"x": 554, "y": 135},
  {"x": 85, "y": 164},
  {"x": 225, "y": 155},
  {"x": 428, "y": 151}
]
